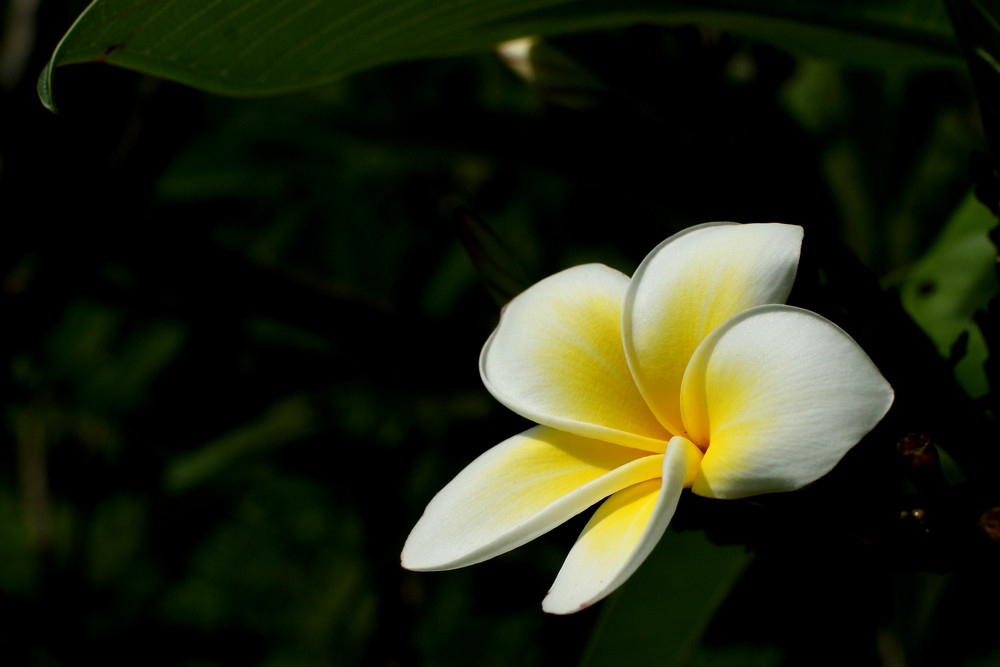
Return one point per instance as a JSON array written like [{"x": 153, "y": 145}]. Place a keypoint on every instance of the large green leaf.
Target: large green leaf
[
  {"x": 660, "y": 615},
  {"x": 252, "y": 47},
  {"x": 950, "y": 284}
]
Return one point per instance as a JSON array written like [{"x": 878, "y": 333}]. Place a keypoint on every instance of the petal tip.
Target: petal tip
[
  {"x": 406, "y": 561},
  {"x": 562, "y": 608},
  {"x": 419, "y": 556}
]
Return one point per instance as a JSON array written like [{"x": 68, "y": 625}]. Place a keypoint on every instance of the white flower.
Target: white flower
[{"x": 689, "y": 375}]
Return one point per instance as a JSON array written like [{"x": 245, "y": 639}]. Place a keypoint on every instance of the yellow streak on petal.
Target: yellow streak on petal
[
  {"x": 776, "y": 396},
  {"x": 589, "y": 362},
  {"x": 691, "y": 284},
  {"x": 557, "y": 359},
  {"x": 518, "y": 490},
  {"x": 623, "y": 532},
  {"x": 731, "y": 386},
  {"x": 553, "y": 464},
  {"x": 618, "y": 525}
]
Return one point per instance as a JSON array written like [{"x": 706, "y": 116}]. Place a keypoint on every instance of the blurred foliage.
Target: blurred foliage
[{"x": 241, "y": 342}]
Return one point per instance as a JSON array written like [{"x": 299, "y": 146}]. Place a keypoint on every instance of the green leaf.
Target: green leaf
[
  {"x": 110, "y": 363},
  {"x": 955, "y": 279},
  {"x": 249, "y": 47},
  {"x": 286, "y": 421},
  {"x": 660, "y": 615},
  {"x": 977, "y": 25},
  {"x": 496, "y": 263}
]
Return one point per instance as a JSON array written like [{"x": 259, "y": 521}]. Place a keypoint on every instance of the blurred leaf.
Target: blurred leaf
[
  {"x": 977, "y": 25},
  {"x": 451, "y": 280},
  {"x": 495, "y": 262},
  {"x": 660, "y": 615},
  {"x": 955, "y": 279},
  {"x": 816, "y": 95},
  {"x": 288, "y": 565},
  {"x": 286, "y": 421},
  {"x": 111, "y": 362},
  {"x": 241, "y": 48},
  {"x": 117, "y": 534},
  {"x": 889, "y": 179},
  {"x": 19, "y": 572}
]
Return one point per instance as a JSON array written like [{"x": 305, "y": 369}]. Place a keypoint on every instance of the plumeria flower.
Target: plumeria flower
[{"x": 690, "y": 375}]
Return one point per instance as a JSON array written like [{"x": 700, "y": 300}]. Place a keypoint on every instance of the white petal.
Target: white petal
[
  {"x": 518, "y": 490},
  {"x": 778, "y": 395},
  {"x": 622, "y": 532},
  {"x": 690, "y": 284},
  {"x": 556, "y": 358}
]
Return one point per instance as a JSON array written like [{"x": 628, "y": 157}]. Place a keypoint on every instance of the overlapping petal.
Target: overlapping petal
[
  {"x": 556, "y": 358},
  {"x": 622, "y": 533},
  {"x": 690, "y": 284},
  {"x": 778, "y": 394},
  {"x": 518, "y": 490}
]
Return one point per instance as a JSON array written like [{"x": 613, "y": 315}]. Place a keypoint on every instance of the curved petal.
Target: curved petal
[
  {"x": 778, "y": 395},
  {"x": 514, "y": 492},
  {"x": 690, "y": 284},
  {"x": 556, "y": 358},
  {"x": 622, "y": 532}
]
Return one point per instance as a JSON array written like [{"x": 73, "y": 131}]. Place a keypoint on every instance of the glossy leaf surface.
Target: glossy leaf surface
[{"x": 257, "y": 48}]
